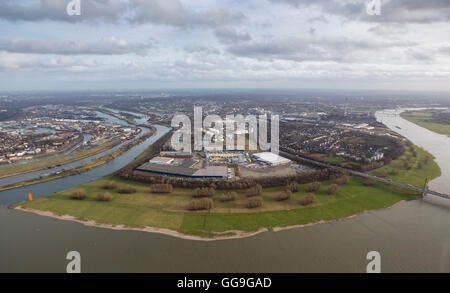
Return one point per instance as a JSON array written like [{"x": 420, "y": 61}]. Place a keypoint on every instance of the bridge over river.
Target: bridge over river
[{"x": 424, "y": 191}]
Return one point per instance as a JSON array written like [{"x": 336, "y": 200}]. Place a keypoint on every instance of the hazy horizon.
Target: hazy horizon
[{"x": 266, "y": 44}]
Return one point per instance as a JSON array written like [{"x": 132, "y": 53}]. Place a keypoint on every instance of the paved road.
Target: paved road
[{"x": 365, "y": 175}]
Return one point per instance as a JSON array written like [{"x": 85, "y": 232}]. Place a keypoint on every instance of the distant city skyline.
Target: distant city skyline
[{"x": 179, "y": 44}]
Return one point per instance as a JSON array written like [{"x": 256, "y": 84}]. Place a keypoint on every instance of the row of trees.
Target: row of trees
[
  {"x": 81, "y": 195},
  {"x": 229, "y": 196},
  {"x": 307, "y": 199},
  {"x": 161, "y": 188},
  {"x": 240, "y": 184},
  {"x": 201, "y": 204},
  {"x": 204, "y": 192}
]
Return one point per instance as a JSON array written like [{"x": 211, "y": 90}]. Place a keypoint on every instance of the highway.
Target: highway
[{"x": 364, "y": 175}]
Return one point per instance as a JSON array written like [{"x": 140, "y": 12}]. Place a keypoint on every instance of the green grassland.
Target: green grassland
[
  {"x": 416, "y": 175},
  {"x": 422, "y": 118},
  {"x": 145, "y": 209}
]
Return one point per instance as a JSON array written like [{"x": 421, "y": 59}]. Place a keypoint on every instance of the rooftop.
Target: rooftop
[{"x": 271, "y": 158}]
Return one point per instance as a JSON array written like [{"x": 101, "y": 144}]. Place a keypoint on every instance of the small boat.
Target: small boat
[{"x": 398, "y": 127}]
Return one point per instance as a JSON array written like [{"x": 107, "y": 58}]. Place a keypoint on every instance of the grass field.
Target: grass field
[
  {"x": 421, "y": 118},
  {"x": 144, "y": 209}
]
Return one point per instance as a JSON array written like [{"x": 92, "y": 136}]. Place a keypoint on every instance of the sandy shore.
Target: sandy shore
[{"x": 225, "y": 235}]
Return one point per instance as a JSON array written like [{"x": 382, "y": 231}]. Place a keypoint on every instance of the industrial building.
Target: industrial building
[
  {"x": 171, "y": 154},
  {"x": 217, "y": 172},
  {"x": 270, "y": 159}
]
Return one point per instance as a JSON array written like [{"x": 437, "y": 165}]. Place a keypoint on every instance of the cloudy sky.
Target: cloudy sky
[{"x": 145, "y": 44}]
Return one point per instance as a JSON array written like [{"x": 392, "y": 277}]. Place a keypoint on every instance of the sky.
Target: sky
[{"x": 170, "y": 44}]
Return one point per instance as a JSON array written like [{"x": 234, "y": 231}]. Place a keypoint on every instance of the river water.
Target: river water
[{"x": 412, "y": 236}]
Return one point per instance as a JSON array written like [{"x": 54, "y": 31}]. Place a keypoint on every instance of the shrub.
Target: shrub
[
  {"x": 284, "y": 195},
  {"x": 161, "y": 188},
  {"x": 78, "y": 195},
  {"x": 230, "y": 196},
  {"x": 204, "y": 192},
  {"x": 395, "y": 171},
  {"x": 104, "y": 196},
  {"x": 369, "y": 182},
  {"x": 254, "y": 202},
  {"x": 314, "y": 186},
  {"x": 254, "y": 191},
  {"x": 382, "y": 174},
  {"x": 127, "y": 189},
  {"x": 109, "y": 185},
  {"x": 406, "y": 165},
  {"x": 420, "y": 165},
  {"x": 200, "y": 204},
  {"x": 333, "y": 188},
  {"x": 342, "y": 180},
  {"x": 293, "y": 187},
  {"x": 307, "y": 199}
]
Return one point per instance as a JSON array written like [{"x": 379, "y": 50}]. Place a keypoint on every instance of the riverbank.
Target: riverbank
[
  {"x": 225, "y": 235},
  {"x": 142, "y": 209},
  {"x": 422, "y": 119},
  {"x": 85, "y": 167}
]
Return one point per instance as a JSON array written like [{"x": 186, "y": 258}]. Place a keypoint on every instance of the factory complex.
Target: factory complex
[{"x": 204, "y": 165}]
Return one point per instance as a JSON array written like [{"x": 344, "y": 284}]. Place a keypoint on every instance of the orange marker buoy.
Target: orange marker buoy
[{"x": 30, "y": 196}]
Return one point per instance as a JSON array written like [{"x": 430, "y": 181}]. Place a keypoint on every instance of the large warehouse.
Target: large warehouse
[
  {"x": 218, "y": 172},
  {"x": 270, "y": 159}
]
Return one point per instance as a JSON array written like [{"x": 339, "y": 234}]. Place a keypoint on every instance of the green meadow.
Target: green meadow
[{"x": 145, "y": 209}]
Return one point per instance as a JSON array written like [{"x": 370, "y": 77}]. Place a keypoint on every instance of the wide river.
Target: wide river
[{"x": 412, "y": 236}]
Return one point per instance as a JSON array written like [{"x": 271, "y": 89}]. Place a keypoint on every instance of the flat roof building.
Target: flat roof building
[
  {"x": 271, "y": 159},
  {"x": 219, "y": 172},
  {"x": 161, "y": 160}
]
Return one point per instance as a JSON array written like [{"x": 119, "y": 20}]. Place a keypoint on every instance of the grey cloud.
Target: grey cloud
[
  {"x": 313, "y": 49},
  {"x": 95, "y": 10},
  {"x": 201, "y": 49},
  {"x": 320, "y": 18},
  {"x": 16, "y": 61},
  {"x": 445, "y": 50},
  {"x": 172, "y": 12},
  {"x": 109, "y": 46},
  {"x": 229, "y": 35},
  {"x": 393, "y": 11},
  {"x": 165, "y": 12}
]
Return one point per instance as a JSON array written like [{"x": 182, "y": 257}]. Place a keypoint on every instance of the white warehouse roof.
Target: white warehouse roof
[
  {"x": 161, "y": 160},
  {"x": 271, "y": 158}
]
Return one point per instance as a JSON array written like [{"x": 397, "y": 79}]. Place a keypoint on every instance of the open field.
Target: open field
[
  {"x": 144, "y": 209},
  {"x": 421, "y": 118}
]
